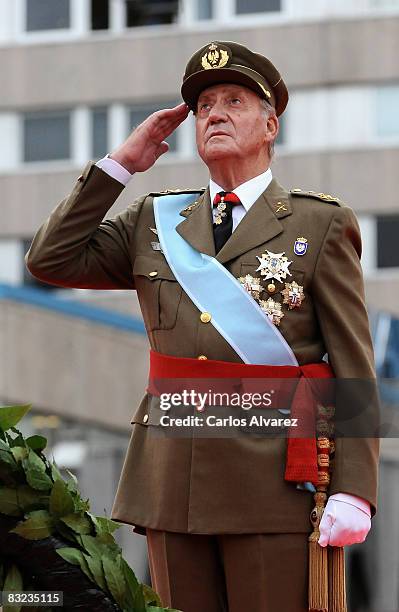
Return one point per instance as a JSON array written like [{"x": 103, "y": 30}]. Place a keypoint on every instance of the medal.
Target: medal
[
  {"x": 293, "y": 295},
  {"x": 156, "y": 246},
  {"x": 300, "y": 246},
  {"x": 273, "y": 265},
  {"x": 252, "y": 285},
  {"x": 220, "y": 211},
  {"x": 272, "y": 309}
]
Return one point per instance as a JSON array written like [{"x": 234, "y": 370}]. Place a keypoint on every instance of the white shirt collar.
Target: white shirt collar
[{"x": 248, "y": 192}]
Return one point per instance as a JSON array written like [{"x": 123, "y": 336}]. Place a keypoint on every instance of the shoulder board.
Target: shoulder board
[
  {"x": 172, "y": 191},
  {"x": 323, "y": 197}
]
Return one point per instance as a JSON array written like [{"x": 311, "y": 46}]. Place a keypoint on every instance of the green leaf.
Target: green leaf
[
  {"x": 81, "y": 505},
  {"x": 114, "y": 579},
  {"x": 13, "y": 582},
  {"x": 66, "y": 533},
  {"x": 18, "y": 440},
  {"x": 61, "y": 501},
  {"x": 55, "y": 473},
  {"x": 84, "y": 566},
  {"x": 78, "y": 522},
  {"x": 106, "y": 525},
  {"x": 108, "y": 540},
  {"x": 134, "y": 592},
  {"x": 19, "y": 453},
  {"x": 75, "y": 556},
  {"x": 37, "y": 526},
  {"x": 72, "y": 555},
  {"x": 93, "y": 520},
  {"x": 30, "y": 499},
  {"x": 8, "y": 459},
  {"x": 36, "y": 442},
  {"x": 11, "y": 415},
  {"x": 72, "y": 484},
  {"x": 150, "y": 596},
  {"x": 97, "y": 570},
  {"x": 4, "y": 446},
  {"x": 94, "y": 547},
  {"x": 9, "y": 502},
  {"x": 35, "y": 471},
  {"x": 103, "y": 544}
]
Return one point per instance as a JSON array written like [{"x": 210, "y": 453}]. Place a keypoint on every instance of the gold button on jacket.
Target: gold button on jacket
[{"x": 220, "y": 485}]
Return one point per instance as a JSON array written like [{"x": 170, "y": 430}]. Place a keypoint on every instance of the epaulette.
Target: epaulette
[
  {"x": 324, "y": 197},
  {"x": 183, "y": 190}
]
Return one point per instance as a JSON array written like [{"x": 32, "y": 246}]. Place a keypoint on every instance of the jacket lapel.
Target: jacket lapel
[
  {"x": 197, "y": 227},
  {"x": 260, "y": 224}
]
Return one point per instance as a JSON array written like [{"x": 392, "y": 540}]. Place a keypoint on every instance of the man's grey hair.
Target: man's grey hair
[{"x": 269, "y": 110}]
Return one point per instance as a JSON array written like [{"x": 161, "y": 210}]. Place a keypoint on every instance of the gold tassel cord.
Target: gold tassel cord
[
  {"x": 336, "y": 579},
  {"x": 318, "y": 560},
  {"x": 327, "y": 592}
]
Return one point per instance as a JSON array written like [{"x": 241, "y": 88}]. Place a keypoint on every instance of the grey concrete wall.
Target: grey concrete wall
[{"x": 69, "y": 366}]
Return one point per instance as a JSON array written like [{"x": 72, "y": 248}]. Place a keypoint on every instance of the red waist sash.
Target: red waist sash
[{"x": 301, "y": 461}]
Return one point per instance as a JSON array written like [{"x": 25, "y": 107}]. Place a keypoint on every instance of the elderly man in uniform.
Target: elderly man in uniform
[{"x": 242, "y": 274}]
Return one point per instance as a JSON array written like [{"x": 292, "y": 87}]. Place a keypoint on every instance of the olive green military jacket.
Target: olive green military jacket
[{"x": 222, "y": 485}]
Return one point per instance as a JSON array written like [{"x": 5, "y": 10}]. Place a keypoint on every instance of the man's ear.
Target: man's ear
[{"x": 273, "y": 126}]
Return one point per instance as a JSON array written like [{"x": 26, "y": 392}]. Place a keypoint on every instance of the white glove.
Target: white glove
[{"x": 346, "y": 520}]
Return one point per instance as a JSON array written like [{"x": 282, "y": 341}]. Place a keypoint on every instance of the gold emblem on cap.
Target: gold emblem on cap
[{"x": 215, "y": 57}]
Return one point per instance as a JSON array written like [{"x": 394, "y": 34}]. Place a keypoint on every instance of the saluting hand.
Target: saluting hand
[{"x": 146, "y": 143}]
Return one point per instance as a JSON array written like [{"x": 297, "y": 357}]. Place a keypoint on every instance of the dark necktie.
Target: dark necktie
[{"x": 223, "y": 223}]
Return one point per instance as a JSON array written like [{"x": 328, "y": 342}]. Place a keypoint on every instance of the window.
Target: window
[
  {"x": 257, "y": 6},
  {"x": 99, "y": 130},
  {"x": 387, "y": 116},
  {"x": 204, "y": 9},
  {"x": 150, "y": 12},
  {"x": 387, "y": 239},
  {"x": 11, "y": 261},
  {"x": 47, "y": 14},
  {"x": 100, "y": 14},
  {"x": 138, "y": 113},
  {"x": 46, "y": 136}
]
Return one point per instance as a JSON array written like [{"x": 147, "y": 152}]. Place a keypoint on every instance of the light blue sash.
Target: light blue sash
[{"x": 212, "y": 288}]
